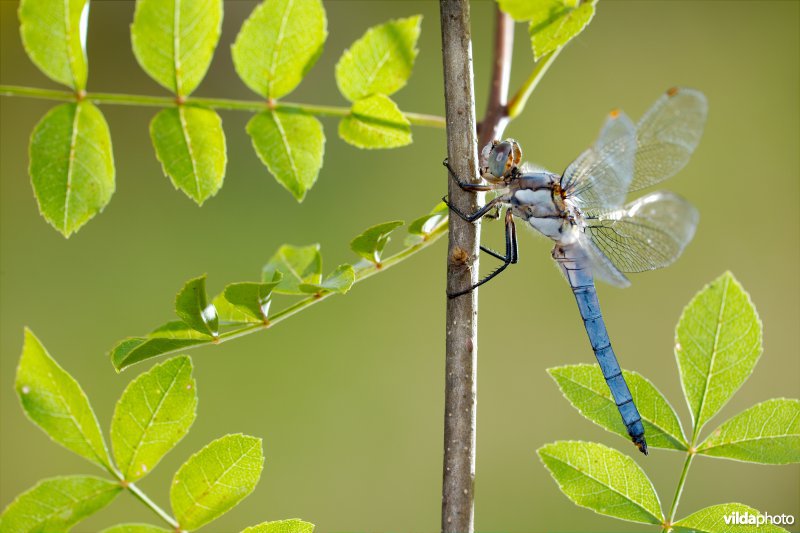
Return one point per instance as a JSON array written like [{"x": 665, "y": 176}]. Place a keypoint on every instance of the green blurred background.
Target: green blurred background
[{"x": 348, "y": 395}]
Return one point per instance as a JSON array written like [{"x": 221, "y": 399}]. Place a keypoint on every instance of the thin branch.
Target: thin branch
[
  {"x": 417, "y": 119},
  {"x": 519, "y": 100},
  {"x": 679, "y": 489},
  {"x": 142, "y": 497},
  {"x": 496, "y": 118}
]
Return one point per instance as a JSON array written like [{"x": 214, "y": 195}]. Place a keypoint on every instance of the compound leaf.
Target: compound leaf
[
  {"x": 278, "y": 44},
  {"x": 191, "y": 305},
  {"x": 291, "y": 144},
  {"x": 169, "y": 338},
  {"x": 722, "y": 519},
  {"x": 381, "y": 61},
  {"x": 767, "y": 433},
  {"x": 190, "y": 144},
  {"x": 338, "y": 281},
  {"x": 603, "y": 480},
  {"x": 56, "y": 504},
  {"x": 215, "y": 479},
  {"x": 252, "y": 298},
  {"x": 717, "y": 345},
  {"x": 299, "y": 265},
  {"x": 154, "y": 413},
  {"x": 71, "y": 165},
  {"x": 375, "y": 122},
  {"x": 555, "y": 22},
  {"x": 174, "y": 40},
  {"x": 55, "y": 402},
  {"x": 373, "y": 240},
  {"x": 293, "y": 525},
  {"x": 586, "y": 389},
  {"x": 54, "y": 36}
]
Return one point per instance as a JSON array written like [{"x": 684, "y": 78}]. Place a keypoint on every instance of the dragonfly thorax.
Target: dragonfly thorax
[{"x": 536, "y": 198}]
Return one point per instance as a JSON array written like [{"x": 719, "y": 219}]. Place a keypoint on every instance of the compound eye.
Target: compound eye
[{"x": 500, "y": 159}]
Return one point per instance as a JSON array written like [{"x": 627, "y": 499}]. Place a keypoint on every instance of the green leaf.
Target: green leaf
[
  {"x": 169, "y": 338},
  {"x": 426, "y": 224},
  {"x": 298, "y": 264},
  {"x": 215, "y": 479},
  {"x": 767, "y": 433},
  {"x": 135, "y": 528},
  {"x": 174, "y": 40},
  {"x": 338, "y": 281},
  {"x": 381, "y": 61},
  {"x": 586, "y": 389},
  {"x": 278, "y": 44},
  {"x": 603, "y": 480},
  {"x": 56, "y": 504},
  {"x": 291, "y": 144},
  {"x": 373, "y": 240},
  {"x": 293, "y": 525},
  {"x": 717, "y": 344},
  {"x": 55, "y": 402},
  {"x": 71, "y": 165},
  {"x": 232, "y": 315},
  {"x": 54, "y": 36},
  {"x": 154, "y": 413},
  {"x": 553, "y": 22},
  {"x": 190, "y": 144},
  {"x": 191, "y": 305},
  {"x": 375, "y": 122},
  {"x": 712, "y": 520},
  {"x": 253, "y": 298}
]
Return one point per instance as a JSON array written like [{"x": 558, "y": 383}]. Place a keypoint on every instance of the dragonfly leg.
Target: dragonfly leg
[
  {"x": 511, "y": 257},
  {"x": 465, "y": 185},
  {"x": 477, "y": 214}
]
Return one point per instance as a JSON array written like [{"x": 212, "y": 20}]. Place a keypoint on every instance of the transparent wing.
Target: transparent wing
[
  {"x": 600, "y": 177},
  {"x": 667, "y": 135},
  {"x": 648, "y": 233},
  {"x": 600, "y": 265}
]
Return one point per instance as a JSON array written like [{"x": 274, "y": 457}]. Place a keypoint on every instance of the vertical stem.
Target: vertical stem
[
  {"x": 496, "y": 118},
  {"x": 462, "y": 270},
  {"x": 681, "y": 482}
]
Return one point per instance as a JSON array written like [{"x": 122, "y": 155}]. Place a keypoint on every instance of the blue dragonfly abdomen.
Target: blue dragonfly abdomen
[{"x": 571, "y": 259}]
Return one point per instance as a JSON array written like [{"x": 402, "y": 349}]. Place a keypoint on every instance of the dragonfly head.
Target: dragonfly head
[{"x": 500, "y": 160}]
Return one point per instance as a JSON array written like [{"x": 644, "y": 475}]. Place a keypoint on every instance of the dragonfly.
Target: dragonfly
[{"x": 596, "y": 234}]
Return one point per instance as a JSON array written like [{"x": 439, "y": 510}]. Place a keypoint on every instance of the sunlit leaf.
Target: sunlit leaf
[
  {"x": 373, "y": 240},
  {"x": 553, "y": 23},
  {"x": 71, "y": 165},
  {"x": 586, "y": 389},
  {"x": 190, "y": 144},
  {"x": 291, "y": 144},
  {"x": 603, "y": 480},
  {"x": 169, "y": 338},
  {"x": 298, "y": 264},
  {"x": 230, "y": 314},
  {"x": 55, "y": 402},
  {"x": 717, "y": 344},
  {"x": 215, "y": 479},
  {"x": 722, "y": 519},
  {"x": 191, "y": 305},
  {"x": 338, "y": 281},
  {"x": 174, "y": 40},
  {"x": 381, "y": 61},
  {"x": 135, "y": 528},
  {"x": 375, "y": 122},
  {"x": 56, "y": 504},
  {"x": 54, "y": 36},
  {"x": 294, "y": 525},
  {"x": 767, "y": 433},
  {"x": 252, "y": 298},
  {"x": 154, "y": 413},
  {"x": 425, "y": 224},
  {"x": 278, "y": 44}
]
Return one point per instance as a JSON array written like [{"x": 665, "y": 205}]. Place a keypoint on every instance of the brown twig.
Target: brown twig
[
  {"x": 496, "y": 118},
  {"x": 464, "y": 238}
]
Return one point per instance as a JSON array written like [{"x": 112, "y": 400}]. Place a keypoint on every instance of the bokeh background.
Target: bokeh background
[{"x": 348, "y": 395}]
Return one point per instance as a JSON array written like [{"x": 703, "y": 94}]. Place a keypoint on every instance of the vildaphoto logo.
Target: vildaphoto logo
[{"x": 746, "y": 518}]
